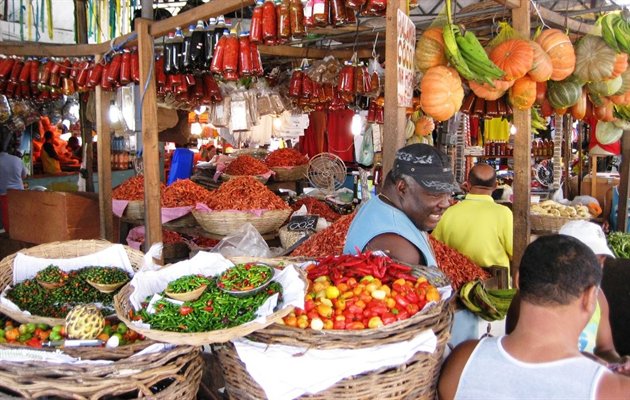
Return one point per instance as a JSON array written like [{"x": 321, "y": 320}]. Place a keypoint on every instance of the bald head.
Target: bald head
[{"x": 482, "y": 176}]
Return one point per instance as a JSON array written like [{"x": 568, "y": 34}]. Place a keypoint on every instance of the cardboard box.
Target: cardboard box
[{"x": 42, "y": 217}]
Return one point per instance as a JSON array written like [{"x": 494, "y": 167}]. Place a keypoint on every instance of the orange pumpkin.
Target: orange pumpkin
[
  {"x": 621, "y": 99},
  {"x": 424, "y": 126},
  {"x": 605, "y": 111},
  {"x": 441, "y": 92},
  {"x": 430, "y": 49},
  {"x": 542, "y": 67},
  {"x": 541, "y": 92},
  {"x": 578, "y": 110},
  {"x": 561, "y": 111},
  {"x": 487, "y": 92},
  {"x": 545, "y": 108},
  {"x": 515, "y": 57},
  {"x": 621, "y": 64},
  {"x": 559, "y": 47},
  {"x": 523, "y": 94}
]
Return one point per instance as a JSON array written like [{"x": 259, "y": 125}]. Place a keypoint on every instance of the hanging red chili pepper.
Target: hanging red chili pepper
[
  {"x": 198, "y": 92},
  {"x": 135, "y": 67},
  {"x": 367, "y": 80},
  {"x": 217, "y": 60},
  {"x": 106, "y": 84},
  {"x": 307, "y": 87},
  {"x": 245, "y": 56},
  {"x": 183, "y": 84},
  {"x": 296, "y": 17},
  {"x": 10, "y": 90},
  {"x": 230, "y": 54},
  {"x": 160, "y": 76},
  {"x": 25, "y": 91},
  {"x": 356, "y": 5},
  {"x": 113, "y": 72},
  {"x": 351, "y": 17},
  {"x": 320, "y": 12},
  {"x": 255, "y": 28},
  {"x": 74, "y": 70},
  {"x": 295, "y": 84},
  {"x": 309, "y": 19},
  {"x": 54, "y": 74},
  {"x": 34, "y": 74},
  {"x": 25, "y": 73},
  {"x": 376, "y": 6},
  {"x": 338, "y": 12},
  {"x": 257, "y": 68},
  {"x": 95, "y": 75},
  {"x": 83, "y": 69},
  {"x": 67, "y": 86},
  {"x": 371, "y": 115},
  {"x": 358, "y": 79},
  {"x": 212, "y": 90},
  {"x": 269, "y": 23},
  {"x": 346, "y": 79},
  {"x": 64, "y": 68},
  {"x": 125, "y": 68},
  {"x": 7, "y": 67},
  {"x": 44, "y": 76},
  {"x": 284, "y": 22},
  {"x": 230, "y": 75}
]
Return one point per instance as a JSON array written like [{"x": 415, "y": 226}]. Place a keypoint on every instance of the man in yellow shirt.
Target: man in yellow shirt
[{"x": 478, "y": 227}]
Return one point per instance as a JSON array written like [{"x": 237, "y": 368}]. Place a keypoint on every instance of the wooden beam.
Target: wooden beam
[
  {"x": 624, "y": 184},
  {"x": 560, "y": 21},
  {"x": 211, "y": 9},
  {"x": 150, "y": 153},
  {"x": 61, "y": 50},
  {"x": 104, "y": 146},
  {"x": 310, "y": 52},
  {"x": 394, "y": 133},
  {"x": 509, "y": 4},
  {"x": 522, "y": 157}
]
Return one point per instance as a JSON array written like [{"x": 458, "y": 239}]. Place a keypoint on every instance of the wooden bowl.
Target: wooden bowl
[
  {"x": 187, "y": 296},
  {"x": 106, "y": 287},
  {"x": 253, "y": 291},
  {"x": 50, "y": 285}
]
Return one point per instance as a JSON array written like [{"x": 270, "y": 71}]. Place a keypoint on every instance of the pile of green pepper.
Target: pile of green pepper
[
  {"x": 243, "y": 277},
  {"x": 215, "y": 309},
  {"x": 51, "y": 274},
  {"x": 105, "y": 275},
  {"x": 187, "y": 283}
]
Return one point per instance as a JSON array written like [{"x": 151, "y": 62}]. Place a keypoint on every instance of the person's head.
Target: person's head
[
  {"x": 482, "y": 179},
  {"x": 591, "y": 235},
  {"x": 557, "y": 270},
  {"x": 73, "y": 142},
  {"x": 423, "y": 182},
  {"x": 48, "y": 135}
]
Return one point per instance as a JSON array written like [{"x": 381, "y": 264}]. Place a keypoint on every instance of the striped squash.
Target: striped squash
[{"x": 563, "y": 94}]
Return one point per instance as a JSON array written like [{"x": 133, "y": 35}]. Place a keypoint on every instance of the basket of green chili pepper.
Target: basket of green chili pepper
[
  {"x": 245, "y": 279},
  {"x": 51, "y": 277},
  {"x": 105, "y": 279},
  {"x": 187, "y": 288}
]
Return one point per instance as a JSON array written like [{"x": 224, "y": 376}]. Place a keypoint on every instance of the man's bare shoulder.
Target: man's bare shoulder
[
  {"x": 396, "y": 246},
  {"x": 452, "y": 369}
]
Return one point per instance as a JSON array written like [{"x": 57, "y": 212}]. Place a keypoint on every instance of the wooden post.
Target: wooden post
[
  {"x": 152, "y": 218},
  {"x": 567, "y": 155},
  {"x": 394, "y": 133},
  {"x": 103, "y": 145},
  {"x": 580, "y": 153},
  {"x": 522, "y": 155},
  {"x": 624, "y": 184},
  {"x": 594, "y": 176}
]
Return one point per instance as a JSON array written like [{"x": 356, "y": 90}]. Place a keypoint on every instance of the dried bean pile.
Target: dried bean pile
[
  {"x": 246, "y": 165},
  {"x": 285, "y": 158},
  {"x": 328, "y": 242},
  {"x": 317, "y": 207},
  {"x": 244, "y": 193},
  {"x": 132, "y": 189},
  {"x": 184, "y": 192},
  {"x": 459, "y": 268}
]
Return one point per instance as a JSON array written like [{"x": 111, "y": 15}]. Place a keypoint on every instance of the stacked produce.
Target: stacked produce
[
  {"x": 168, "y": 237},
  {"x": 317, "y": 207},
  {"x": 204, "y": 242},
  {"x": 363, "y": 291},
  {"x": 285, "y": 158},
  {"x": 489, "y": 304},
  {"x": 132, "y": 189},
  {"x": 244, "y": 193},
  {"x": 246, "y": 165},
  {"x": 619, "y": 243},
  {"x": 213, "y": 309},
  {"x": 552, "y": 208},
  {"x": 329, "y": 241},
  {"x": 68, "y": 289},
  {"x": 184, "y": 192},
  {"x": 456, "y": 266}
]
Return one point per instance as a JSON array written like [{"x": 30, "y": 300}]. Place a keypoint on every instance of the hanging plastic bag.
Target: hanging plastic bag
[
  {"x": 245, "y": 242},
  {"x": 367, "y": 148}
]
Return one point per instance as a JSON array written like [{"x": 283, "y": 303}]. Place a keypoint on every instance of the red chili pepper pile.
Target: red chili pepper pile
[
  {"x": 168, "y": 237},
  {"x": 244, "y": 193},
  {"x": 316, "y": 207},
  {"x": 329, "y": 241},
  {"x": 285, "y": 158},
  {"x": 204, "y": 241},
  {"x": 342, "y": 267},
  {"x": 459, "y": 268},
  {"x": 246, "y": 165},
  {"x": 132, "y": 189},
  {"x": 184, "y": 192}
]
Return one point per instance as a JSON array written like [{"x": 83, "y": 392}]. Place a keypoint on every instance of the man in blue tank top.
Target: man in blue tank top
[
  {"x": 414, "y": 196},
  {"x": 559, "y": 279}
]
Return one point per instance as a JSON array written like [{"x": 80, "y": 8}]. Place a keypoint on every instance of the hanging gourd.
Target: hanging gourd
[
  {"x": 424, "y": 126},
  {"x": 621, "y": 64},
  {"x": 441, "y": 92},
  {"x": 595, "y": 61},
  {"x": 604, "y": 112},
  {"x": 489, "y": 92},
  {"x": 578, "y": 110},
  {"x": 625, "y": 82},
  {"x": 559, "y": 47},
  {"x": 563, "y": 94},
  {"x": 605, "y": 88},
  {"x": 430, "y": 49},
  {"x": 541, "y": 92},
  {"x": 522, "y": 94},
  {"x": 541, "y": 67},
  {"x": 515, "y": 57}
]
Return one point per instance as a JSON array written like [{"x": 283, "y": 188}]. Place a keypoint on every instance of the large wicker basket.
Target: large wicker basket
[
  {"x": 549, "y": 223},
  {"x": 171, "y": 374},
  {"x": 287, "y": 174},
  {"x": 134, "y": 210},
  {"x": 67, "y": 249},
  {"x": 260, "y": 178},
  {"x": 187, "y": 221},
  {"x": 415, "y": 379},
  {"x": 227, "y": 222}
]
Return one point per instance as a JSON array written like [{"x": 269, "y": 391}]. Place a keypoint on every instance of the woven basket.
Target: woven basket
[
  {"x": 124, "y": 308},
  {"x": 259, "y": 178},
  {"x": 288, "y": 174},
  {"x": 134, "y": 210},
  {"x": 187, "y": 221},
  {"x": 66, "y": 249},
  {"x": 549, "y": 223},
  {"x": 172, "y": 374},
  {"x": 227, "y": 222},
  {"x": 415, "y": 379},
  {"x": 260, "y": 154}
]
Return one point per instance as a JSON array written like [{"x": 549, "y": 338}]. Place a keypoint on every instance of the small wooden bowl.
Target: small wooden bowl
[
  {"x": 50, "y": 285},
  {"x": 105, "y": 287},
  {"x": 251, "y": 292},
  {"x": 187, "y": 296}
]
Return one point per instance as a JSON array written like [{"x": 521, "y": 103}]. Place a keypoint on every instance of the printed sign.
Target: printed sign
[
  {"x": 406, "y": 49},
  {"x": 302, "y": 223}
]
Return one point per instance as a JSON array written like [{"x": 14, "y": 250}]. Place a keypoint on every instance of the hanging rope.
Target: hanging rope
[
  {"x": 29, "y": 19},
  {"x": 37, "y": 16},
  {"x": 21, "y": 19},
  {"x": 50, "y": 18}
]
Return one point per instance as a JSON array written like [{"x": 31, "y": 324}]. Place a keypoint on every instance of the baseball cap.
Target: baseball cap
[
  {"x": 428, "y": 166},
  {"x": 588, "y": 233}
]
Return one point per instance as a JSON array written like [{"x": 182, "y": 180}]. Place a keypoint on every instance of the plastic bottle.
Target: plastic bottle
[
  {"x": 177, "y": 53},
  {"x": 209, "y": 43},
  {"x": 186, "y": 46},
  {"x": 197, "y": 47},
  {"x": 219, "y": 28},
  {"x": 255, "y": 35}
]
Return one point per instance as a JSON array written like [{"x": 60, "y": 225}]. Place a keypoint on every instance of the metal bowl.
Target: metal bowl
[{"x": 253, "y": 291}]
